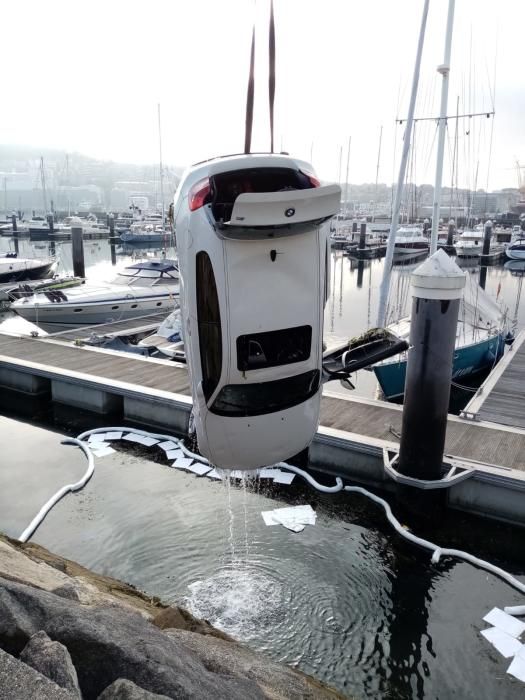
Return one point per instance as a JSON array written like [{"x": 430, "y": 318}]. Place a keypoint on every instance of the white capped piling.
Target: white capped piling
[
  {"x": 77, "y": 245},
  {"x": 14, "y": 224},
  {"x": 437, "y": 287}
]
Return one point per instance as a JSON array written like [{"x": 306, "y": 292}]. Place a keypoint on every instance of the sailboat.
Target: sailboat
[{"x": 481, "y": 333}]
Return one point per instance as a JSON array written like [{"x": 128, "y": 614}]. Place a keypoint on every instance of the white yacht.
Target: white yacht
[
  {"x": 140, "y": 289},
  {"x": 410, "y": 240},
  {"x": 516, "y": 250},
  {"x": 15, "y": 269},
  {"x": 168, "y": 337},
  {"x": 469, "y": 244}
]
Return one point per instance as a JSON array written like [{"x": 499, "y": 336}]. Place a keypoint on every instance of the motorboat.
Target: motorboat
[
  {"x": 516, "y": 250},
  {"x": 15, "y": 269},
  {"x": 469, "y": 244},
  {"x": 254, "y": 255},
  {"x": 138, "y": 290},
  {"x": 410, "y": 241},
  {"x": 480, "y": 342},
  {"x": 144, "y": 232},
  {"x": 168, "y": 337}
]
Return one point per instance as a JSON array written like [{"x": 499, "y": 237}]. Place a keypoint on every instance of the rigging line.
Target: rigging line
[
  {"x": 271, "y": 77},
  {"x": 249, "y": 98}
]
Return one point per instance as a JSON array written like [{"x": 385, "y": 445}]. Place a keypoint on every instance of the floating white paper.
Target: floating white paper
[
  {"x": 517, "y": 667},
  {"x": 140, "y": 439},
  {"x": 505, "y": 622},
  {"x": 103, "y": 450},
  {"x": 182, "y": 463},
  {"x": 168, "y": 445},
  {"x": 114, "y": 435},
  {"x": 294, "y": 517},
  {"x": 283, "y": 478},
  {"x": 97, "y": 437},
  {"x": 214, "y": 474},
  {"x": 267, "y": 472},
  {"x": 174, "y": 454},
  {"x": 199, "y": 468},
  {"x": 503, "y": 642}
]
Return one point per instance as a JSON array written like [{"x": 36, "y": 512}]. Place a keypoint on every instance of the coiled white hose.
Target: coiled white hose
[{"x": 437, "y": 552}]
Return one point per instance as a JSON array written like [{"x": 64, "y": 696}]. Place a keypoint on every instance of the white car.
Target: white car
[{"x": 254, "y": 263}]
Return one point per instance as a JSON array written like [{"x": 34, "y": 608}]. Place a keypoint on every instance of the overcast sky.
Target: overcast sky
[{"x": 87, "y": 76}]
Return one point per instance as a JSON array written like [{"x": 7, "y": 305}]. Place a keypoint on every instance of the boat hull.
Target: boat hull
[
  {"x": 468, "y": 360},
  {"x": 21, "y": 275},
  {"x": 63, "y": 315}
]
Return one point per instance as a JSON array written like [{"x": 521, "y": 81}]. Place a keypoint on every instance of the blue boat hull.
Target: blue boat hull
[{"x": 468, "y": 360}]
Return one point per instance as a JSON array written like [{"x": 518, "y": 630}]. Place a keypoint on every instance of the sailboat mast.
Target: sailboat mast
[
  {"x": 444, "y": 69},
  {"x": 377, "y": 172},
  {"x": 387, "y": 270},
  {"x": 160, "y": 168},
  {"x": 347, "y": 171},
  {"x": 43, "y": 181},
  {"x": 68, "y": 187}
]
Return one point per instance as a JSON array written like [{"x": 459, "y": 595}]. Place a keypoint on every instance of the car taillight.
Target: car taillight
[
  {"x": 313, "y": 180},
  {"x": 198, "y": 194}
]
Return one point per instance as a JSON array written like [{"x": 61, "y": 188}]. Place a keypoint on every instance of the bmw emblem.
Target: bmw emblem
[{"x": 289, "y": 212}]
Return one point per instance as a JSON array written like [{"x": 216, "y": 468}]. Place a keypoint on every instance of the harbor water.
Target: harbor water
[{"x": 346, "y": 600}]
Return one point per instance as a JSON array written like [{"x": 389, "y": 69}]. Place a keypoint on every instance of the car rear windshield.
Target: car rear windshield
[
  {"x": 274, "y": 348},
  {"x": 238, "y": 400},
  {"x": 226, "y": 187}
]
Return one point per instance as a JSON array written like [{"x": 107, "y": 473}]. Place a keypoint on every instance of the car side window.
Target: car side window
[{"x": 209, "y": 324}]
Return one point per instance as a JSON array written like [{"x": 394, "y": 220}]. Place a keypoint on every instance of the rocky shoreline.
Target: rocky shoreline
[{"x": 69, "y": 633}]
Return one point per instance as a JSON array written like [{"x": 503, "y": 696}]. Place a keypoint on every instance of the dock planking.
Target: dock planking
[
  {"x": 501, "y": 398},
  {"x": 466, "y": 439}
]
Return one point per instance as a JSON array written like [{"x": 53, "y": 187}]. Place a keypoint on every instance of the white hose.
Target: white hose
[
  {"x": 39, "y": 517},
  {"x": 437, "y": 552}
]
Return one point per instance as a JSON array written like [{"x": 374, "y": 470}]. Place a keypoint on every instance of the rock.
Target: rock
[
  {"x": 277, "y": 681},
  {"x": 52, "y": 660},
  {"x": 178, "y": 618},
  {"x": 20, "y": 682},
  {"x": 67, "y": 590},
  {"x": 126, "y": 690},
  {"x": 108, "y": 643}
]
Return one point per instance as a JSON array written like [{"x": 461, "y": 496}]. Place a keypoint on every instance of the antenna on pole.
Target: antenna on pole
[
  {"x": 249, "y": 98},
  {"x": 271, "y": 76},
  {"x": 161, "y": 183}
]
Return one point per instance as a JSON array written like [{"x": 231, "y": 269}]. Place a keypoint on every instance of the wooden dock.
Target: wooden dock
[
  {"x": 125, "y": 374},
  {"x": 501, "y": 397}
]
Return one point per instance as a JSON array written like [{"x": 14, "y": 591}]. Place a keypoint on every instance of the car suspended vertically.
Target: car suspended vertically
[{"x": 254, "y": 265}]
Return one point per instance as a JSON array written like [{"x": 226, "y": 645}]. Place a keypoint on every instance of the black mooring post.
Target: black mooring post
[
  {"x": 451, "y": 232},
  {"x": 14, "y": 224},
  {"x": 77, "y": 245},
  {"x": 362, "y": 236},
  {"x": 486, "y": 238},
  {"x": 354, "y": 227},
  {"x": 426, "y": 226},
  {"x": 360, "y": 270},
  {"x": 437, "y": 287},
  {"x": 51, "y": 223},
  {"x": 111, "y": 225}
]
